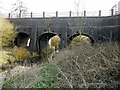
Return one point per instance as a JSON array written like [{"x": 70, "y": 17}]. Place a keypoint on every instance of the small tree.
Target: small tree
[{"x": 7, "y": 32}]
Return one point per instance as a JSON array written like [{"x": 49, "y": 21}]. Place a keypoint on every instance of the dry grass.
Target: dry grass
[
  {"x": 83, "y": 66},
  {"x": 28, "y": 78},
  {"x": 86, "y": 66},
  {"x": 20, "y": 53}
]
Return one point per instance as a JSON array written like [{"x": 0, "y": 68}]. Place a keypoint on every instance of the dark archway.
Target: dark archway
[
  {"x": 22, "y": 39},
  {"x": 42, "y": 40}
]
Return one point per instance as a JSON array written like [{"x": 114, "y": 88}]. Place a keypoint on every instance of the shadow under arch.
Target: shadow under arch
[
  {"x": 22, "y": 39},
  {"x": 42, "y": 40},
  {"x": 77, "y": 34}
]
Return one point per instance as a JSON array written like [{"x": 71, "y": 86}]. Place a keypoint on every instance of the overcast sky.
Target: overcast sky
[{"x": 39, "y": 6}]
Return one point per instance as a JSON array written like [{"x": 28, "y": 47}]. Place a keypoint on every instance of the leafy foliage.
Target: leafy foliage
[
  {"x": 5, "y": 58},
  {"x": 7, "y": 31}
]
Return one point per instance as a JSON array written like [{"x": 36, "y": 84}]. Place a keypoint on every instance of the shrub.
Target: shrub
[
  {"x": 20, "y": 53},
  {"x": 5, "y": 58},
  {"x": 81, "y": 39},
  {"x": 8, "y": 32}
]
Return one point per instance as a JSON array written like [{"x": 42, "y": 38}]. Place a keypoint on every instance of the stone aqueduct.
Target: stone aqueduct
[{"x": 39, "y": 30}]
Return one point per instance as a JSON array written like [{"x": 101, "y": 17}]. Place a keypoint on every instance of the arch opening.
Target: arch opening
[
  {"x": 84, "y": 39},
  {"x": 22, "y": 40},
  {"x": 42, "y": 41},
  {"x": 71, "y": 37}
]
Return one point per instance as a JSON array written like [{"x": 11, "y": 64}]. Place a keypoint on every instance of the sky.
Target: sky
[{"x": 38, "y": 6}]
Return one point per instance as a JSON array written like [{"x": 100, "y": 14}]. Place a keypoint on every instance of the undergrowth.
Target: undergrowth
[
  {"x": 20, "y": 53},
  {"x": 83, "y": 66}
]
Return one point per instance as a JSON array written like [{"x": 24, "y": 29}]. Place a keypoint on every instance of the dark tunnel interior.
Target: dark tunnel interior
[
  {"x": 21, "y": 40},
  {"x": 42, "y": 41}
]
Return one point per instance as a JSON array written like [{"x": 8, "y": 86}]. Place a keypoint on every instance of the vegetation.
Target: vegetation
[
  {"x": 7, "y": 31},
  {"x": 49, "y": 76},
  {"x": 7, "y": 34},
  {"x": 83, "y": 66},
  {"x": 88, "y": 67},
  {"x": 20, "y": 53},
  {"x": 6, "y": 58},
  {"x": 81, "y": 39},
  {"x": 40, "y": 76}
]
